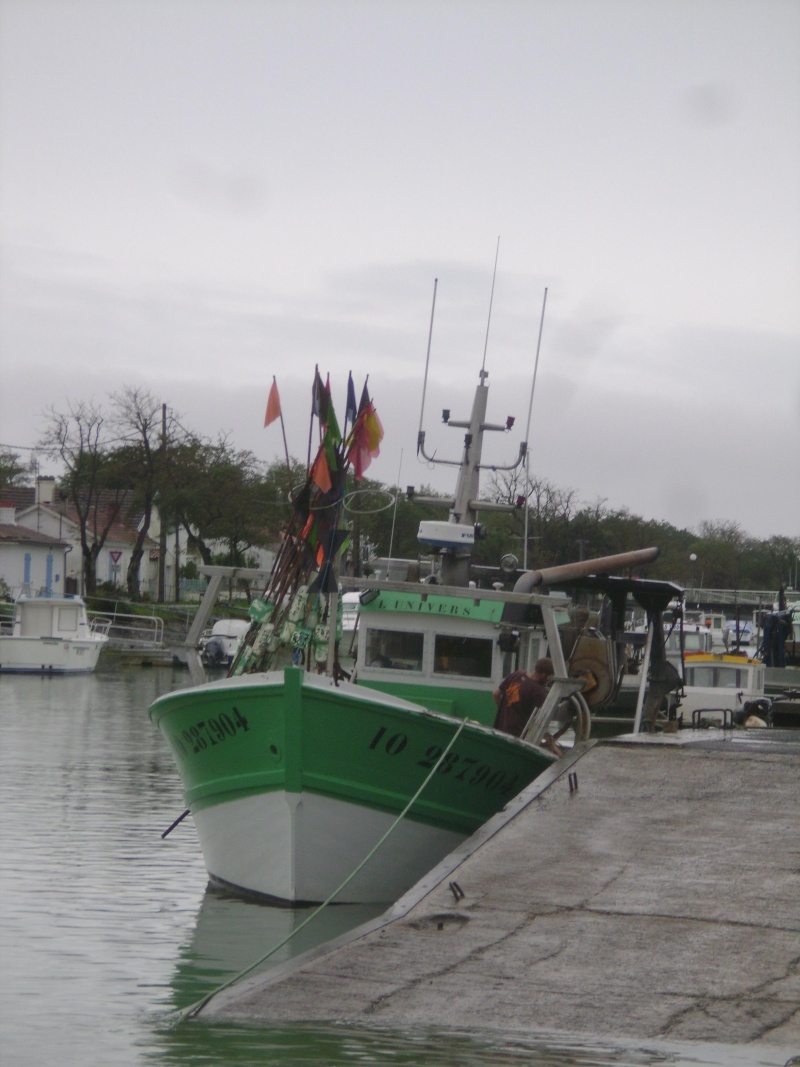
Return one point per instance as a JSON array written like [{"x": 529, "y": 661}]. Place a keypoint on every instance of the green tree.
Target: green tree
[
  {"x": 225, "y": 499},
  {"x": 12, "y": 472},
  {"x": 385, "y": 517},
  {"x": 771, "y": 564},
  {"x": 723, "y": 547}
]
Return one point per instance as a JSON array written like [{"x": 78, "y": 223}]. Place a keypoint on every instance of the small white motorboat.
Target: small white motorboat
[
  {"x": 52, "y": 635},
  {"x": 218, "y": 648}
]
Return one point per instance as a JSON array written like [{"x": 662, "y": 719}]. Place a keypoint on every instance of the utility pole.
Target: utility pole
[
  {"x": 177, "y": 561},
  {"x": 162, "y": 525}
]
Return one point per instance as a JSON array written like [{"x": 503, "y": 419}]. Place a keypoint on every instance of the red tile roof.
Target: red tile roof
[{"x": 11, "y": 533}]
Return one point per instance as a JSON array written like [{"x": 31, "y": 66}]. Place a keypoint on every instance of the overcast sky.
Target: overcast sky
[{"x": 196, "y": 195}]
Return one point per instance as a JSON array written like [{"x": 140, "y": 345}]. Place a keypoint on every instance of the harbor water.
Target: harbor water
[{"x": 109, "y": 931}]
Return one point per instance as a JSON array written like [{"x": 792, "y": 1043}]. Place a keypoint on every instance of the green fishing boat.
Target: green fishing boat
[
  {"x": 292, "y": 779},
  {"x": 294, "y": 773}
]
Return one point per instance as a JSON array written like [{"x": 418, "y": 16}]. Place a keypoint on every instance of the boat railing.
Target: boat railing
[
  {"x": 129, "y": 631},
  {"x": 745, "y": 598}
]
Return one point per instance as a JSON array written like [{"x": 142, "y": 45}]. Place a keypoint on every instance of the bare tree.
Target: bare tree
[
  {"x": 143, "y": 428},
  {"x": 546, "y": 502},
  {"x": 550, "y": 510},
  {"x": 79, "y": 438}
]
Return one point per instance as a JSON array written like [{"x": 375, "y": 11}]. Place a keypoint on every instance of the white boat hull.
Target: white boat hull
[
  {"x": 301, "y": 845},
  {"x": 49, "y": 655}
]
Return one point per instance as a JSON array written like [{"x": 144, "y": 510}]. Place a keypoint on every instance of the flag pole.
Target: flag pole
[
  {"x": 283, "y": 431},
  {"x": 273, "y": 403},
  {"x": 311, "y": 420}
]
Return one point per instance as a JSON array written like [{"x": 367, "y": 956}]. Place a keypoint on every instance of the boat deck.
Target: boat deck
[{"x": 643, "y": 888}]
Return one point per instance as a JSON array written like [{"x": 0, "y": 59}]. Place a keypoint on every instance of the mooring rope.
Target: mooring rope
[{"x": 193, "y": 1009}]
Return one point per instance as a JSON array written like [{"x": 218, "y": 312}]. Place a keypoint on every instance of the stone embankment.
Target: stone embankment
[{"x": 647, "y": 889}]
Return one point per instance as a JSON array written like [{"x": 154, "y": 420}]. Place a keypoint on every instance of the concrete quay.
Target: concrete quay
[{"x": 644, "y": 889}]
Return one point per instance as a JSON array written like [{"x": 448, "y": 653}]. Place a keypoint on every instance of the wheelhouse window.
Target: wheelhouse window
[
  {"x": 471, "y": 656},
  {"x": 396, "y": 650},
  {"x": 696, "y": 642},
  {"x": 68, "y": 619},
  {"x": 719, "y": 677}
]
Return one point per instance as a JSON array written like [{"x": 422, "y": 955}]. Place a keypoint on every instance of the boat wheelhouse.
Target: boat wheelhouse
[{"x": 721, "y": 688}]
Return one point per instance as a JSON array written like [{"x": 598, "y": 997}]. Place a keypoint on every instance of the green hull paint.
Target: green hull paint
[
  {"x": 458, "y": 701},
  {"x": 273, "y": 732}
]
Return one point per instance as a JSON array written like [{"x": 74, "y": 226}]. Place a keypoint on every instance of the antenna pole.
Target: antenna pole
[
  {"x": 491, "y": 300},
  {"x": 528, "y": 432},
  {"x": 420, "y": 433},
  {"x": 394, "y": 513}
]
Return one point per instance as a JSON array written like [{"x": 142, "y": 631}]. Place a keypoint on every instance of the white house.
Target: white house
[
  {"x": 42, "y": 513},
  {"x": 49, "y": 518},
  {"x": 112, "y": 562},
  {"x": 30, "y": 561}
]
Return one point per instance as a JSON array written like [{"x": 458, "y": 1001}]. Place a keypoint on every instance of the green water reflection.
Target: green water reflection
[
  {"x": 231, "y": 934},
  {"x": 196, "y": 1043}
]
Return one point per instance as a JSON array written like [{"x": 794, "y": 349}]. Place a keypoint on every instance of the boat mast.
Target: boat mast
[
  {"x": 455, "y": 539},
  {"x": 464, "y": 507},
  {"x": 421, "y": 432},
  {"x": 465, "y": 502},
  {"x": 527, "y": 463}
]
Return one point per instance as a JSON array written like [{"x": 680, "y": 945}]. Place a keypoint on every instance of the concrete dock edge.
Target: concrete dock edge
[{"x": 642, "y": 888}]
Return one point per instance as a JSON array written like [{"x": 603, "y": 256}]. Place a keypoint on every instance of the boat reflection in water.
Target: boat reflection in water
[{"x": 232, "y": 933}]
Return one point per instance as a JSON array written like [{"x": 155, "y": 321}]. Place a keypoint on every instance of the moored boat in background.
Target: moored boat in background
[
  {"x": 219, "y": 646},
  {"x": 721, "y": 688},
  {"x": 51, "y": 635}
]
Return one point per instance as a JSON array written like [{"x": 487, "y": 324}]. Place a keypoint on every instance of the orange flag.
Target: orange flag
[
  {"x": 273, "y": 405},
  {"x": 320, "y": 473}
]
